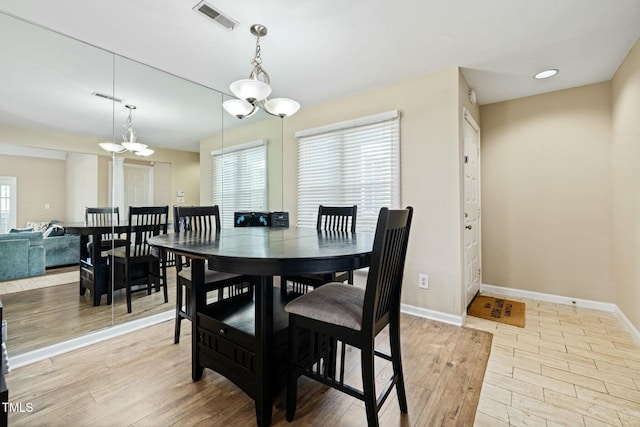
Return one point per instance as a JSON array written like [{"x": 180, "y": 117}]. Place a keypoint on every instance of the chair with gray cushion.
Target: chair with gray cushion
[
  {"x": 202, "y": 219},
  {"x": 336, "y": 219},
  {"x": 340, "y": 314}
]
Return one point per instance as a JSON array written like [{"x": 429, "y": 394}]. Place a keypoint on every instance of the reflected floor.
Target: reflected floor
[{"x": 49, "y": 309}]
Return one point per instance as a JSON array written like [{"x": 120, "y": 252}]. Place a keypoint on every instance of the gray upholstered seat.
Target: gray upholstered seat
[
  {"x": 336, "y": 315},
  {"x": 334, "y": 303}
]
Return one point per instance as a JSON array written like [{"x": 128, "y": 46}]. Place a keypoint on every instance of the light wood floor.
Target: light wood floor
[
  {"x": 568, "y": 367},
  {"x": 142, "y": 378},
  {"x": 48, "y": 309}
]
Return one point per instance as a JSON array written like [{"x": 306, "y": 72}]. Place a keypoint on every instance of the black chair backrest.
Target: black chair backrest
[
  {"x": 102, "y": 216},
  {"x": 196, "y": 218},
  {"x": 145, "y": 222},
  {"x": 337, "y": 218},
  {"x": 384, "y": 282}
]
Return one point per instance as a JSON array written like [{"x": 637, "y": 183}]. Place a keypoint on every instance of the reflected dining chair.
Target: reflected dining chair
[
  {"x": 98, "y": 217},
  {"x": 337, "y": 313},
  {"x": 104, "y": 217},
  {"x": 330, "y": 218},
  {"x": 137, "y": 266},
  {"x": 202, "y": 219}
]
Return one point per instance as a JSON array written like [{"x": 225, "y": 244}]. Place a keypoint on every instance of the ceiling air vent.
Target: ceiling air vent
[
  {"x": 105, "y": 96},
  {"x": 216, "y": 15}
]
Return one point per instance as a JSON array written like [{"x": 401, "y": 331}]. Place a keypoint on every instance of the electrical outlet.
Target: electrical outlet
[{"x": 423, "y": 281}]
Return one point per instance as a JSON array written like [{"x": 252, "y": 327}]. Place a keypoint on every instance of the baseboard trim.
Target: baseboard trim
[
  {"x": 433, "y": 315},
  {"x": 85, "y": 340},
  {"x": 576, "y": 302}
]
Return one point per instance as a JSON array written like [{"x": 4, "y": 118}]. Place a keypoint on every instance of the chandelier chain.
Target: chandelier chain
[{"x": 258, "y": 73}]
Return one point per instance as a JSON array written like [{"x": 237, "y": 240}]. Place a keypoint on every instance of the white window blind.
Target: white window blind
[
  {"x": 240, "y": 179},
  {"x": 350, "y": 163}
]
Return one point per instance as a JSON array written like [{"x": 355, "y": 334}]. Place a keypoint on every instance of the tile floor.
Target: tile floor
[
  {"x": 18, "y": 285},
  {"x": 568, "y": 366}
]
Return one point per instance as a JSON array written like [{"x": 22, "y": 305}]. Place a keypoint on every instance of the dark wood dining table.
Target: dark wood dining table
[
  {"x": 246, "y": 341},
  {"x": 93, "y": 268}
]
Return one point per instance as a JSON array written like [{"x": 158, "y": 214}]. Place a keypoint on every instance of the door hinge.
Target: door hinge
[{"x": 466, "y": 159}]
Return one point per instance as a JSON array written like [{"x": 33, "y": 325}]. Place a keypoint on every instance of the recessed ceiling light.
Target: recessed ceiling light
[{"x": 546, "y": 74}]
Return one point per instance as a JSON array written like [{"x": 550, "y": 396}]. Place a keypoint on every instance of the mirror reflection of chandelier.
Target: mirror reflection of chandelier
[
  {"x": 129, "y": 140},
  {"x": 252, "y": 93}
]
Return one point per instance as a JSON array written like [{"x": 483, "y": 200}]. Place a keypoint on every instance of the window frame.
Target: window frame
[{"x": 324, "y": 153}]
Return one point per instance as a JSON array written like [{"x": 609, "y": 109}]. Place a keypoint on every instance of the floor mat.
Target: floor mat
[{"x": 498, "y": 309}]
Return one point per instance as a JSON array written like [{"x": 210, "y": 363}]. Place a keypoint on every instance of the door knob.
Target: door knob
[{"x": 468, "y": 227}]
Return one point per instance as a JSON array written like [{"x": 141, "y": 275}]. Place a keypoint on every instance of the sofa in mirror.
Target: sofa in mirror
[{"x": 59, "y": 100}]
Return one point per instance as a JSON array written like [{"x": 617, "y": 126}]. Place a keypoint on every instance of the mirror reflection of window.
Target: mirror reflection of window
[{"x": 240, "y": 179}]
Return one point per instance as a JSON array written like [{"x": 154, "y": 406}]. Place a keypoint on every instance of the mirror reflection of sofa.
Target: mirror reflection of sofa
[{"x": 28, "y": 251}]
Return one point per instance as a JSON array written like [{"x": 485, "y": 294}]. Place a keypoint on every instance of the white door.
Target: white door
[
  {"x": 8, "y": 199},
  {"x": 472, "y": 246},
  {"x": 138, "y": 186},
  {"x": 136, "y": 182}
]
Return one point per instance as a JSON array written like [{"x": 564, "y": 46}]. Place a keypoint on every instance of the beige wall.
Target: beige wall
[
  {"x": 33, "y": 192},
  {"x": 546, "y": 193},
  {"x": 183, "y": 168},
  {"x": 626, "y": 184},
  {"x": 81, "y": 182},
  {"x": 430, "y": 174}
]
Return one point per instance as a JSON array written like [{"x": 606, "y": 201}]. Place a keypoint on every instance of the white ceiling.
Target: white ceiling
[{"x": 318, "y": 51}]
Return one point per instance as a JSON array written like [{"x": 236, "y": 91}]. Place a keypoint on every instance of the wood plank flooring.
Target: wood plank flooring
[
  {"x": 42, "y": 311},
  {"x": 143, "y": 379}
]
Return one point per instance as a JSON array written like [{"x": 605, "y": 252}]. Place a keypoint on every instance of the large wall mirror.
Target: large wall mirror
[{"x": 60, "y": 98}]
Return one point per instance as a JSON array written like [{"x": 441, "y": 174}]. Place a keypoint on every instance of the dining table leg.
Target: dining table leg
[
  {"x": 264, "y": 356},
  {"x": 197, "y": 303},
  {"x": 100, "y": 271}
]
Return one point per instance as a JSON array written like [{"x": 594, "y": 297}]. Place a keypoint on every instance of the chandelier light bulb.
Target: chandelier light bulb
[
  {"x": 111, "y": 147},
  {"x": 250, "y": 90},
  {"x": 239, "y": 108},
  {"x": 282, "y": 107}
]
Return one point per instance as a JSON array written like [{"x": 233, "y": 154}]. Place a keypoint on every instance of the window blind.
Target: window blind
[
  {"x": 350, "y": 163},
  {"x": 240, "y": 179}
]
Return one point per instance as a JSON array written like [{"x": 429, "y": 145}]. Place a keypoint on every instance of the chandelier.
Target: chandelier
[
  {"x": 252, "y": 93},
  {"x": 129, "y": 140}
]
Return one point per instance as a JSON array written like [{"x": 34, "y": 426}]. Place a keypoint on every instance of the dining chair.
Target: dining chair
[
  {"x": 137, "y": 265},
  {"x": 337, "y": 313},
  {"x": 330, "y": 218},
  {"x": 203, "y": 219},
  {"x": 104, "y": 217},
  {"x": 99, "y": 217}
]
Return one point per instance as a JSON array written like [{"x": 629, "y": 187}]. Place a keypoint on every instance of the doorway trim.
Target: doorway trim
[{"x": 468, "y": 118}]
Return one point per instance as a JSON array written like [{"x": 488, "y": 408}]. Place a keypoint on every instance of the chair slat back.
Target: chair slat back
[
  {"x": 102, "y": 217},
  {"x": 384, "y": 282},
  {"x": 145, "y": 222},
  {"x": 337, "y": 218},
  {"x": 196, "y": 218}
]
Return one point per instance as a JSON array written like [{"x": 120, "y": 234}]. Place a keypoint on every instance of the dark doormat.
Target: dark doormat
[{"x": 498, "y": 309}]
